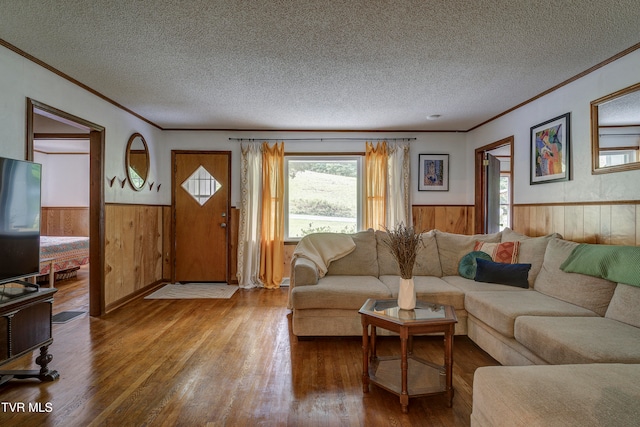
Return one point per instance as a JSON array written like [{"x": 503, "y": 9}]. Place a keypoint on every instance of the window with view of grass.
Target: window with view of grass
[{"x": 322, "y": 194}]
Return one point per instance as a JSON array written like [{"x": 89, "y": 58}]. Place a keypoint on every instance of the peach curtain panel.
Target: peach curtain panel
[
  {"x": 272, "y": 230},
  {"x": 376, "y": 185}
]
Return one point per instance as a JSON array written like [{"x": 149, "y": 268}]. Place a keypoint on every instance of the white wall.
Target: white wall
[
  {"x": 65, "y": 179},
  {"x": 425, "y": 143},
  {"x": 21, "y": 79},
  {"x": 574, "y": 98}
]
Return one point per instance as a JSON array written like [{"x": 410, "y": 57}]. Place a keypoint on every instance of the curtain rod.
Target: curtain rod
[{"x": 321, "y": 139}]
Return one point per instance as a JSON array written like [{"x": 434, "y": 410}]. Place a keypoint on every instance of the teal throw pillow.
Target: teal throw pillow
[{"x": 467, "y": 266}]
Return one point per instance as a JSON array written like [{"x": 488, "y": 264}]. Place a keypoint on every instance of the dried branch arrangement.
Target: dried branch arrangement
[{"x": 403, "y": 242}]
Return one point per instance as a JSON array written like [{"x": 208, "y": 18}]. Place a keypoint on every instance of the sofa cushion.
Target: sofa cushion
[
  {"x": 531, "y": 250},
  {"x": 504, "y": 274},
  {"x": 452, "y": 247},
  {"x": 363, "y": 261},
  {"x": 624, "y": 305},
  {"x": 470, "y": 285},
  {"x": 430, "y": 289},
  {"x": 589, "y": 292},
  {"x": 564, "y": 340},
  {"x": 427, "y": 260},
  {"x": 564, "y": 395},
  {"x": 500, "y": 309},
  {"x": 339, "y": 292}
]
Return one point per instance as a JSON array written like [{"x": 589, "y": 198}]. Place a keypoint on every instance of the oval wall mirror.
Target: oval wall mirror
[
  {"x": 137, "y": 161},
  {"x": 615, "y": 131}
]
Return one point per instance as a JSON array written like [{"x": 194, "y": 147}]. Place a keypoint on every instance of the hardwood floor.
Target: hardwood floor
[{"x": 218, "y": 363}]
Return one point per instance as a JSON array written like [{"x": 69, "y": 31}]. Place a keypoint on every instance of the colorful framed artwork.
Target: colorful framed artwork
[
  {"x": 433, "y": 172},
  {"x": 550, "y": 144}
]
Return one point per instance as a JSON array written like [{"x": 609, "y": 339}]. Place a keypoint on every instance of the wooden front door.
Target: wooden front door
[{"x": 201, "y": 191}]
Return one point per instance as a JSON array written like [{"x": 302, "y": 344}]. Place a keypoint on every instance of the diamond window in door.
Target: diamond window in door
[{"x": 201, "y": 185}]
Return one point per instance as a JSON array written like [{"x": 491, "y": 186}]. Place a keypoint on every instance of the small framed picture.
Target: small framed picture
[
  {"x": 433, "y": 172},
  {"x": 550, "y": 143}
]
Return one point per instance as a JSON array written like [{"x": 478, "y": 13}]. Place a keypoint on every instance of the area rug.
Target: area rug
[
  {"x": 194, "y": 291},
  {"x": 66, "y": 316}
]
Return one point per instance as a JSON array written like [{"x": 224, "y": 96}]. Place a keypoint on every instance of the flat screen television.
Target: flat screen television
[{"x": 19, "y": 219}]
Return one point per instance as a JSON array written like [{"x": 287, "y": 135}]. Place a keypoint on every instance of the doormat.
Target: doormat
[
  {"x": 66, "y": 316},
  {"x": 194, "y": 291}
]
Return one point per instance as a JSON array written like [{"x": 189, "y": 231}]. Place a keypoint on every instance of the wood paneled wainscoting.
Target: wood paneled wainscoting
[
  {"x": 451, "y": 219},
  {"x": 597, "y": 222},
  {"x": 64, "y": 221},
  {"x": 135, "y": 256}
]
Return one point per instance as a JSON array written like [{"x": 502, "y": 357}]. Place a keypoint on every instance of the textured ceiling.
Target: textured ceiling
[{"x": 321, "y": 65}]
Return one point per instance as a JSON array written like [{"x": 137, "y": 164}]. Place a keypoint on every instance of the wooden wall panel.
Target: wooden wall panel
[
  {"x": 604, "y": 223},
  {"x": 133, "y": 250},
  {"x": 167, "y": 244},
  {"x": 64, "y": 221},
  {"x": 623, "y": 227},
  {"x": 452, "y": 219},
  {"x": 288, "y": 254},
  {"x": 591, "y": 228}
]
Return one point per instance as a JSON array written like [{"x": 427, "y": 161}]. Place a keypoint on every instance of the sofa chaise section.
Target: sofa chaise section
[{"x": 556, "y": 396}]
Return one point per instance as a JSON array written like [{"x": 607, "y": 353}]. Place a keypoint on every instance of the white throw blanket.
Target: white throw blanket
[{"x": 322, "y": 248}]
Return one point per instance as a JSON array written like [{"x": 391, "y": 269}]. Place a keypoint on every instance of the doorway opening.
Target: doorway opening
[
  {"x": 95, "y": 134},
  {"x": 494, "y": 186}
]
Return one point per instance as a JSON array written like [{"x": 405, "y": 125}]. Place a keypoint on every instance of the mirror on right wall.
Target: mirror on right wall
[{"x": 615, "y": 131}]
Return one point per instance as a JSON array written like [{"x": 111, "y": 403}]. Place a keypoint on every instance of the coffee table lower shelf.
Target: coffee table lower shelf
[{"x": 423, "y": 378}]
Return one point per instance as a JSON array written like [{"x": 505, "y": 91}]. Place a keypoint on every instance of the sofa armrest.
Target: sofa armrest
[{"x": 303, "y": 272}]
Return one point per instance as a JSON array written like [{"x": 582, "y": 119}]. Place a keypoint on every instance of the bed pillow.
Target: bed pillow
[
  {"x": 467, "y": 267},
  {"x": 506, "y": 252},
  {"x": 504, "y": 274}
]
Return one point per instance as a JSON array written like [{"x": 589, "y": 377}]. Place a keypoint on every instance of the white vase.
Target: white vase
[{"x": 407, "y": 294}]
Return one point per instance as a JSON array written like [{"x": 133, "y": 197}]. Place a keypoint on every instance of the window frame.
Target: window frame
[
  {"x": 631, "y": 155},
  {"x": 324, "y": 157}
]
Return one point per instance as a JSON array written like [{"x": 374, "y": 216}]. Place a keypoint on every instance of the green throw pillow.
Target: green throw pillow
[
  {"x": 619, "y": 264},
  {"x": 468, "y": 264}
]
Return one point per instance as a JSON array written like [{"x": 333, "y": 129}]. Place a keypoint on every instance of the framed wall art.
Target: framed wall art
[
  {"x": 550, "y": 144},
  {"x": 433, "y": 172}
]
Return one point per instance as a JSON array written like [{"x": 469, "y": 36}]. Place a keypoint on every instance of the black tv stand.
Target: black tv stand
[{"x": 25, "y": 325}]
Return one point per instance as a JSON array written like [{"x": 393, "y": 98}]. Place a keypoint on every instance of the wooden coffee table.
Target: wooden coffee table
[{"x": 407, "y": 375}]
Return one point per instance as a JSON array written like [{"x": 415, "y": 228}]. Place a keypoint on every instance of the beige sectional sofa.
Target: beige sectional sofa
[{"x": 567, "y": 319}]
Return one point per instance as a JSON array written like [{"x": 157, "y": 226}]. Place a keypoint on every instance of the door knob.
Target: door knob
[{"x": 223, "y": 225}]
